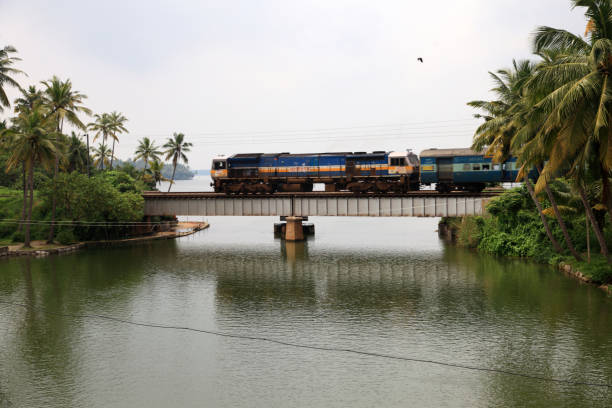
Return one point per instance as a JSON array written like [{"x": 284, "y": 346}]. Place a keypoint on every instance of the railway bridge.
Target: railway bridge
[{"x": 296, "y": 206}]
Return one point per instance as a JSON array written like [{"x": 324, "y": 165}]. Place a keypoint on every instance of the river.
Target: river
[{"x": 386, "y": 286}]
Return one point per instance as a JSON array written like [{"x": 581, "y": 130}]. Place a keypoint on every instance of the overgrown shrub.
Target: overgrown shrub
[
  {"x": 469, "y": 234},
  {"x": 66, "y": 237},
  {"x": 18, "y": 236},
  {"x": 95, "y": 201}
]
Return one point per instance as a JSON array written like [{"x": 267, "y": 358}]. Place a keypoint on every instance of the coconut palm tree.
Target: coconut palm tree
[
  {"x": 25, "y": 103},
  {"x": 63, "y": 104},
  {"x": 102, "y": 126},
  {"x": 578, "y": 108},
  {"x": 575, "y": 132},
  {"x": 76, "y": 154},
  {"x": 102, "y": 156},
  {"x": 503, "y": 119},
  {"x": 33, "y": 143},
  {"x": 176, "y": 147},
  {"x": 117, "y": 127},
  {"x": 29, "y": 97},
  {"x": 6, "y": 74},
  {"x": 147, "y": 151},
  {"x": 155, "y": 171}
]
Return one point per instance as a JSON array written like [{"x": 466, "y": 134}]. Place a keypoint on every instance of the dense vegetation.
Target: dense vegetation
[
  {"x": 53, "y": 186},
  {"x": 554, "y": 115},
  {"x": 513, "y": 228}
]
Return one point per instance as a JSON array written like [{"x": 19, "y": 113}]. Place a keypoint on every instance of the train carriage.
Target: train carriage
[{"x": 465, "y": 169}]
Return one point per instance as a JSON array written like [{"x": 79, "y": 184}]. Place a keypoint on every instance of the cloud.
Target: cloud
[{"x": 215, "y": 70}]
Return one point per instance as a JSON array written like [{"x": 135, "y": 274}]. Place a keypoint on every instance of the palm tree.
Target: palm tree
[
  {"x": 6, "y": 72},
  {"x": 503, "y": 119},
  {"x": 63, "y": 104},
  {"x": 155, "y": 172},
  {"x": 25, "y": 103},
  {"x": 147, "y": 151},
  {"x": 578, "y": 107},
  {"x": 576, "y": 132},
  {"x": 76, "y": 155},
  {"x": 102, "y": 156},
  {"x": 33, "y": 143},
  {"x": 117, "y": 126},
  {"x": 102, "y": 127},
  {"x": 176, "y": 147},
  {"x": 29, "y": 97}
]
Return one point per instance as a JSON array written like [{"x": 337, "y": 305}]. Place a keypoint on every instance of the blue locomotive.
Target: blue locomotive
[
  {"x": 354, "y": 171},
  {"x": 359, "y": 172}
]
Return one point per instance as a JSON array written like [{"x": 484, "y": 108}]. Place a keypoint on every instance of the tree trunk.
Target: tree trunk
[
  {"x": 588, "y": 239},
  {"x": 88, "y": 158},
  {"x": 568, "y": 240},
  {"x": 596, "y": 229},
  {"x": 25, "y": 198},
  {"x": 552, "y": 239},
  {"x": 26, "y": 241},
  {"x": 172, "y": 179},
  {"x": 606, "y": 197},
  {"x": 53, "y": 201},
  {"x": 112, "y": 155}
]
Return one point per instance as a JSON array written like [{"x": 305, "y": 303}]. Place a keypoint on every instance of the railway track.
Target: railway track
[{"x": 321, "y": 194}]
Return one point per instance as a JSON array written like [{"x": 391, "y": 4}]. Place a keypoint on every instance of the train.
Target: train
[{"x": 449, "y": 170}]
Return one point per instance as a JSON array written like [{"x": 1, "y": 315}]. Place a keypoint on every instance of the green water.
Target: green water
[{"x": 379, "y": 285}]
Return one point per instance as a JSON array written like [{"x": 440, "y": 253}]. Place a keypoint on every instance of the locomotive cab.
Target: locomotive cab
[
  {"x": 402, "y": 162},
  {"x": 219, "y": 168}
]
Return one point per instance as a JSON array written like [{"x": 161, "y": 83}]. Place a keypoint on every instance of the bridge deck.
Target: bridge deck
[{"x": 413, "y": 204}]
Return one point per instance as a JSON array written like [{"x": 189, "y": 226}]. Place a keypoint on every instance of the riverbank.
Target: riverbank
[
  {"x": 470, "y": 232},
  {"x": 40, "y": 248}
]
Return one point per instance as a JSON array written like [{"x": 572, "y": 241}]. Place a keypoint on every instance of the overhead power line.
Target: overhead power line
[
  {"x": 327, "y": 138},
  {"x": 319, "y": 348},
  {"x": 406, "y": 125}
]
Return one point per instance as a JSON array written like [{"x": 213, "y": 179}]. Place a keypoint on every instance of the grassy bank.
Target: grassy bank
[{"x": 513, "y": 228}]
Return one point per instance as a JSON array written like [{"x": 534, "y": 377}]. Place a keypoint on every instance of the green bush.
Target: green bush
[
  {"x": 96, "y": 200},
  {"x": 469, "y": 232},
  {"x": 514, "y": 228},
  {"x": 599, "y": 270},
  {"x": 66, "y": 237},
  {"x": 18, "y": 236}
]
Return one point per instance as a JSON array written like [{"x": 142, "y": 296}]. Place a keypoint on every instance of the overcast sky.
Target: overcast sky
[{"x": 279, "y": 75}]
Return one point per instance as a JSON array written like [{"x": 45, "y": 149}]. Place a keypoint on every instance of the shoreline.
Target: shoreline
[
  {"x": 449, "y": 233},
  {"x": 182, "y": 229}
]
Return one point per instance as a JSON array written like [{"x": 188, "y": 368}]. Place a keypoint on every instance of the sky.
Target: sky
[{"x": 280, "y": 75}]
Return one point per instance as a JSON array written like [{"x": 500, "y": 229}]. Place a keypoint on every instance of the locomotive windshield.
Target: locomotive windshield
[{"x": 219, "y": 165}]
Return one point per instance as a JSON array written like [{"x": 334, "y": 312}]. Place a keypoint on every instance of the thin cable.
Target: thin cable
[
  {"x": 316, "y": 130},
  {"x": 326, "y": 138},
  {"x": 321, "y": 348}
]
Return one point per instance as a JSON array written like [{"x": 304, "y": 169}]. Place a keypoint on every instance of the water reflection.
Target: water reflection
[{"x": 450, "y": 305}]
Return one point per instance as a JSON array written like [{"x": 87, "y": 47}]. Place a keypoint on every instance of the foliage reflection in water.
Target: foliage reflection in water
[{"x": 415, "y": 298}]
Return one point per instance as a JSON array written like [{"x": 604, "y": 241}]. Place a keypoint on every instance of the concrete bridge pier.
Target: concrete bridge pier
[{"x": 293, "y": 228}]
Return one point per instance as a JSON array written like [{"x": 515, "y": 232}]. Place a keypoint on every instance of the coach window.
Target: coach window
[
  {"x": 476, "y": 167},
  {"x": 496, "y": 167},
  {"x": 486, "y": 167},
  {"x": 466, "y": 167}
]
